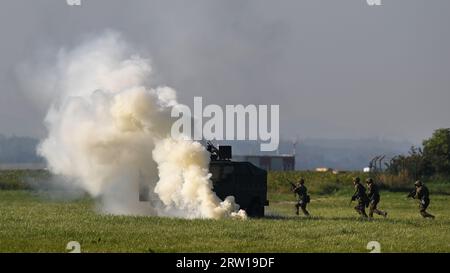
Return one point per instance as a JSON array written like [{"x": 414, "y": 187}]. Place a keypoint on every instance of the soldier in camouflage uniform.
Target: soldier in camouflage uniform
[
  {"x": 303, "y": 198},
  {"x": 374, "y": 198},
  {"x": 422, "y": 194},
  {"x": 361, "y": 196}
]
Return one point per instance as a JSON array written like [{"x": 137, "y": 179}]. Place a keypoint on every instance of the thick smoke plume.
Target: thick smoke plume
[{"x": 109, "y": 131}]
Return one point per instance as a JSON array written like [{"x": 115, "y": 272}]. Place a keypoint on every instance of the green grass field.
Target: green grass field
[{"x": 33, "y": 222}]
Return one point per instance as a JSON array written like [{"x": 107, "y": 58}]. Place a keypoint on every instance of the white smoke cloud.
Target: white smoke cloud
[
  {"x": 108, "y": 130},
  {"x": 185, "y": 181}
]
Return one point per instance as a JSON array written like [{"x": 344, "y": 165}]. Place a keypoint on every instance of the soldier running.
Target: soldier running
[
  {"x": 360, "y": 195},
  {"x": 374, "y": 198},
  {"x": 422, "y": 194},
  {"x": 303, "y": 198}
]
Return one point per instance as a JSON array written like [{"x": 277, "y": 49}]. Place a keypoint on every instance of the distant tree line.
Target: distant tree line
[
  {"x": 432, "y": 159},
  {"x": 18, "y": 150}
]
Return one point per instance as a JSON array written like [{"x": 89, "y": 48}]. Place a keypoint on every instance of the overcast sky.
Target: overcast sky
[{"x": 338, "y": 69}]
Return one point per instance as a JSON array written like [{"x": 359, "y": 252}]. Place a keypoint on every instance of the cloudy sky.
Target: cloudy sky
[{"x": 338, "y": 69}]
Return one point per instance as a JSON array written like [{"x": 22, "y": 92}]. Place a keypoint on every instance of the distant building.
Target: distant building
[
  {"x": 284, "y": 162},
  {"x": 323, "y": 170},
  {"x": 366, "y": 170}
]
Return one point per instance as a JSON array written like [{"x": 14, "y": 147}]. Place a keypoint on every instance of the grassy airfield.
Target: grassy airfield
[{"x": 33, "y": 222}]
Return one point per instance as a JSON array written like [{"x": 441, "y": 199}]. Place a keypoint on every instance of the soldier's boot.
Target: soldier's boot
[
  {"x": 305, "y": 212},
  {"x": 363, "y": 213},
  {"x": 370, "y": 213},
  {"x": 380, "y": 212},
  {"x": 425, "y": 214},
  {"x": 296, "y": 209}
]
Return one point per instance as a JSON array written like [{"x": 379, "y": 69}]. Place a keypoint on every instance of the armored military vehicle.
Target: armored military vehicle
[{"x": 243, "y": 180}]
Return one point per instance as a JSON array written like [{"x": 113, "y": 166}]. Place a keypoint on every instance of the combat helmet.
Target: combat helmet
[{"x": 369, "y": 181}]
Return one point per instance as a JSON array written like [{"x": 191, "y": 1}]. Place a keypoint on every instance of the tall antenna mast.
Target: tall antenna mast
[{"x": 294, "y": 145}]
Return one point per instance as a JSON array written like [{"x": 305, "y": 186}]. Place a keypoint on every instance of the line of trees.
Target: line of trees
[{"x": 432, "y": 159}]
